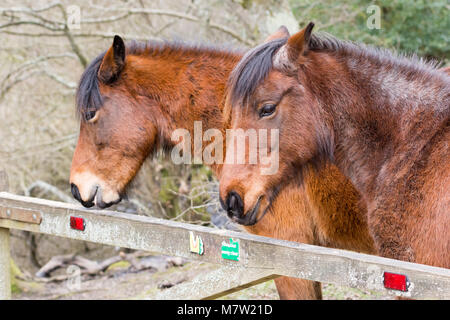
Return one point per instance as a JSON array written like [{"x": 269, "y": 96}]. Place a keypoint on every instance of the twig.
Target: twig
[
  {"x": 50, "y": 189},
  {"x": 93, "y": 267},
  {"x": 55, "y": 77},
  {"x": 75, "y": 48},
  {"x": 19, "y": 9},
  {"x": 174, "y": 14}
]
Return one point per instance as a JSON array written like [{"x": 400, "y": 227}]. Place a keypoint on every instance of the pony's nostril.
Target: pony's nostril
[
  {"x": 75, "y": 191},
  {"x": 234, "y": 204},
  {"x": 223, "y": 204},
  {"x": 76, "y": 195}
]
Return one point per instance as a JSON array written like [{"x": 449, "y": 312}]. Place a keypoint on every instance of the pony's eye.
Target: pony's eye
[
  {"x": 90, "y": 116},
  {"x": 267, "y": 110}
]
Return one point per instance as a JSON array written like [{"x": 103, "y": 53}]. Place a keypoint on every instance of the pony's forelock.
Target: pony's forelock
[
  {"x": 88, "y": 95},
  {"x": 251, "y": 71}
]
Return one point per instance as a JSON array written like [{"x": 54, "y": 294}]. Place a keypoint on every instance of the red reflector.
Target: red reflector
[
  {"x": 395, "y": 281},
  {"x": 77, "y": 223}
]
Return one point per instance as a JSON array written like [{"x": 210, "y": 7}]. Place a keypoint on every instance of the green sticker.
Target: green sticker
[{"x": 230, "y": 250}]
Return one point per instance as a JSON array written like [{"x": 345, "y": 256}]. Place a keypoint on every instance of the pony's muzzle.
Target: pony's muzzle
[
  {"x": 76, "y": 195},
  {"x": 234, "y": 205},
  {"x": 102, "y": 204},
  {"x": 96, "y": 197}
]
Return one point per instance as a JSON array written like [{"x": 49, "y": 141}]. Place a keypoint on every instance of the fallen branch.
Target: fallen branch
[
  {"x": 89, "y": 267},
  {"x": 49, "y": 189}
]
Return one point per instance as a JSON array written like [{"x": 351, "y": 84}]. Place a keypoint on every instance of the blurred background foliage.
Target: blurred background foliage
[{"x": 409, "y": 26}]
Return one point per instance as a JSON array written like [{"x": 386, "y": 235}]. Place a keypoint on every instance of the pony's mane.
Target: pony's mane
[
  {"x": 257, "y": 63},
  {"x": 88, "y": 95}
]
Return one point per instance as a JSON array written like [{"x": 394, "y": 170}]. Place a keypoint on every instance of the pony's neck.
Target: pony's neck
[
  {"x": 191, "y": 87},
  {"x": 372, "y": 111}
]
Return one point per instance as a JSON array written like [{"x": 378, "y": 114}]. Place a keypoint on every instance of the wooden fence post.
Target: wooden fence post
[{"x": 5, "y": 267}]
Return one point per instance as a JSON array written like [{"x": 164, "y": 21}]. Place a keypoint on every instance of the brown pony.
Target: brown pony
[{"x": 382, "y": 119}]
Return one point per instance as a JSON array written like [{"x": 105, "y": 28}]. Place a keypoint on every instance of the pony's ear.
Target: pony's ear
[
  {"x": 297, "y": 45},
  {"x": 282, "y": 32},
  {"x": 113, "y": 61}
]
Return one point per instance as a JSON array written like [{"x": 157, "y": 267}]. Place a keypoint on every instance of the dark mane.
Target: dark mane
[
  {"x": 257, "y": 63},
  {"x": 88, "y": 95},
  {"x": 251, "y": 70}
]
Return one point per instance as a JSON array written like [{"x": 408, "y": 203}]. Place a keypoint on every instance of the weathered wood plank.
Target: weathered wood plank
[
  {"x": 5, "y": 269},
  {"x": 217, "y": 283},
  {"x": 19, "y": 214},
  {"x": 278, "y": 257}
]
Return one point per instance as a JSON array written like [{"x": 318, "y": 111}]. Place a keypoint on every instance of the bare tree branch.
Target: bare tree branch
[
  {"x": 60, "y": 80},
  {"x": 7, "y": 85},
  {"x": 105, "y": 35},
  {"x": 104, "y": 20},
  {"x": 37, "y": 61},
  {"x": 23, "y": 22},
  {"x": 46, "y": 187},
  {"x": 169, "y": 13},
  {"x": 76, "y": 49},
  {"x": 29, "y": 12},
  {"x": 22, "y": 9}
]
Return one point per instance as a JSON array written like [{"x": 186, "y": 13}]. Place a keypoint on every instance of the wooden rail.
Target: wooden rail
[{"x": 260, "y": 258}]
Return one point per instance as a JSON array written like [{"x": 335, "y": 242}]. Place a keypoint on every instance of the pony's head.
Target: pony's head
[
  {"x": 268, "y": 91},
  {"x": 130, "y": 101},
  {"x": 116, "y": 134}
]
